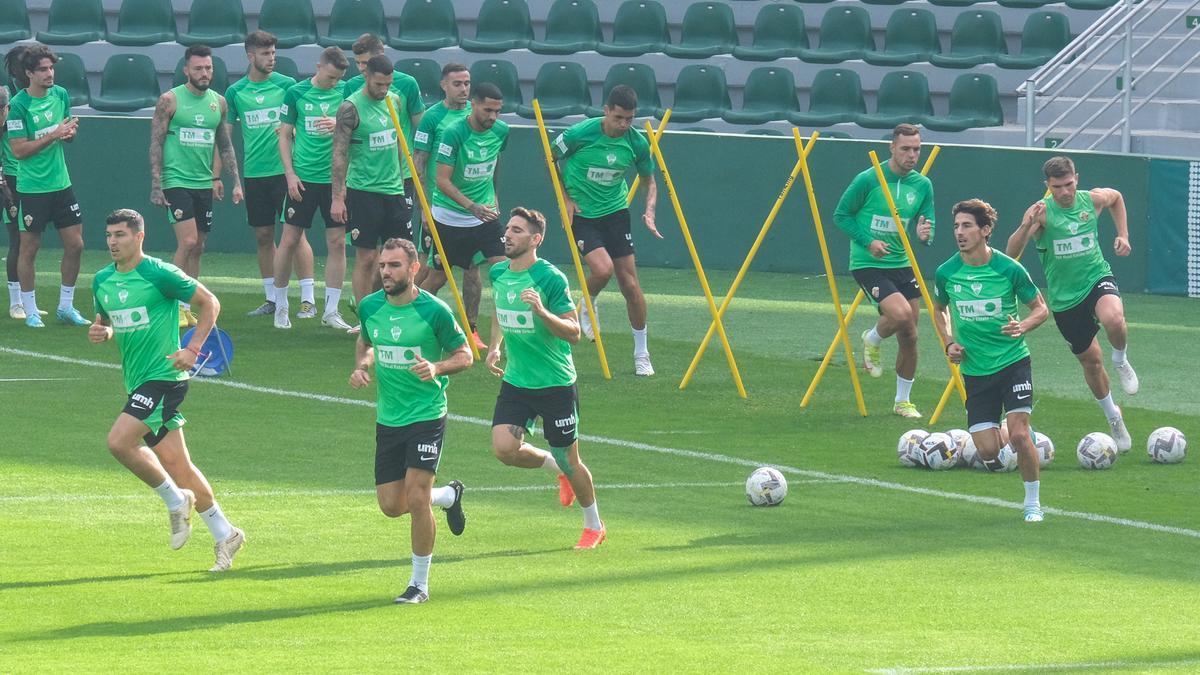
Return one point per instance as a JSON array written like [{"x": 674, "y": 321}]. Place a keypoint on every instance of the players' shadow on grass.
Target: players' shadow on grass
[{"x": 52, "y": 583}]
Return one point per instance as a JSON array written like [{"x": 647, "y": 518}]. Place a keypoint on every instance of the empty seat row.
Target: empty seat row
[{"x": 139, "y": 23}]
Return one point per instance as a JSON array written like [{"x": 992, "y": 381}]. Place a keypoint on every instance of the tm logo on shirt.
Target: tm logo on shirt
[
  {"x": 397, "y": 357},
  {"x": 1073, "y": 246},
  {"x": 127, "y": 320},
  {"x": 382, "y": 140},
  {"x": 978, "y": 310},
  {"x": 515, "y": 321}
]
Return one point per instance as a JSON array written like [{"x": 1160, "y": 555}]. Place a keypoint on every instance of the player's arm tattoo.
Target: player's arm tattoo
[
  {"x": 517, "y": 432},
  {"x": 347, "y": 122},
  {"x": 225, "y": 145},
  {"x": 163, "y": 110}
]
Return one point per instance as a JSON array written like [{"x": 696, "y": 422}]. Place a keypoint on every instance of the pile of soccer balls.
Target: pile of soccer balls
[{"x": 955, "y": 448}]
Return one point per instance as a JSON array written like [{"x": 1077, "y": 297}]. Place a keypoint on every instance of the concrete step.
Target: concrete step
[
  {"x": 1168, "y": 114},
  {"x": 1185, "y": 85}
]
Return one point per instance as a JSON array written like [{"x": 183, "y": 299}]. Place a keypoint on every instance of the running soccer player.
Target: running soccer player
[
  {"x": 878, "y": 260},
  {"x": 305, "y": 138},
  {"x": 975, "y": 298},
  {"x": 414, "y": 343},
  {"x": 536, "y": 318},
  {"x": 1080, "y": 282},
  {"x": 137, "y": 302},
  {"x": 39, "y": 122},
  {"x": 594, "y": 157},
  {"x": 256, "y": 101},
  {"x": 188, "y": 121}
]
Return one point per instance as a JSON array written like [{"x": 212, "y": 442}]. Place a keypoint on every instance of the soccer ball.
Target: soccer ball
[
  {"x": 939, "y": 451},
  {"x": 961, "y": 439},
  {"x": 909, "y": 448},
  {"x": 1044, "y": 447},
  {"x": 1096, "y": 451},
  {"x": 1167, "y": 445},
  {"x": 968, "y": 455},
  {"x": 766, "y": 487},
  {"x": 1006, "y": 460}
]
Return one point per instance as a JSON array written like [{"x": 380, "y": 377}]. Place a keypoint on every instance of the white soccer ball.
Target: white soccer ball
[
  {"x": 766, "y": 487},
  {"x": 1044, "y": 447},
  {"x": 1096, "y": 451},
  {"x": 1167, "y": 445},
  {"x": 909, "y": 448},
  {"x": 961, "y": 438},
  {"x": 939, "y": 451},
  {"x": 969, "y": 455},
  {"x": 1006, "y": 460}
]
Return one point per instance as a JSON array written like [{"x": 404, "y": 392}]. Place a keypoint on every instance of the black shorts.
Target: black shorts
[
  {"x": 9, "y": 205},
  {"x": 315, "y": 196},
  {"x": 1078, "y": 324},
  {"x": 1008, "y": 390},
  {"x": 462, "y": 243},
  {"x": 880, "y": 282},
  {"x": 416, "y": 446},
  {"x": 264, "y": 200},
  {"x": 36, "y": 211},
  {"x": 186, "y": 204},
  {"x": 156, "y": 402},
  {"x": 375, "y": 218},
  {"x": 610, "y": 232},
  {"x": 557, "y": 406}
]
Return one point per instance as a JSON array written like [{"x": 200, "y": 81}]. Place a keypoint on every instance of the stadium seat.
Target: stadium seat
[
  {"x": 903, "y": 96},
  {"x": 770, "y": 95},
  {"x": 501, "y": 73},
  {"x": 1026, "y": 4},
  {"x": 215, "y": 23},
  {"x": 708, "y": 29},
  {"x": 144, "y": 22},
  {"x": 351, "y": 18},
  {"x": 836, "y": 97},
  {"x": 286, "y": 66},
  {"x": 700, "y": 93},
  {"x": 1045, "y": 34},
  {"x": 1094, "y": 5},
  {"x": 974, "y": 102},
  {"x": 845, "y": 36},
  {"x": 763, "y": 131},
  {"x": 779, "y": 32},
  {"x": 128, "y": 83},
  {"x": 955, "y": 3},
  {"x": 911, "y": 36},
  {"x": 220, "y": 78},
  {"x": 71, "y": 74},
  {"x": 290, "y": 21},
  {"x": 428, "y": 74},
  {"x": 561, "y": 89},
  {"x": 641, "y": 78},
  {"x": 814, "y": 2},
  {"x": 426, "y": 25},
  {"x": 14, "y": 21},
  {"x": 640, "y": 27},
  {"x": 571, "y": 26},
  {"x": 977, "y": 37},
  {"x": 74, "y": 22},
  {"x": 502, "y": 25}
]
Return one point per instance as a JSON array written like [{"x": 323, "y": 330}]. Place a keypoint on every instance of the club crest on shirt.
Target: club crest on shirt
[
  {"x": 259, "y": 99},
  {"x": 396, "y": 332},
  {"x": 977, "y": 288},
  {"x": 324, "y": 107},
  {"x": 911, "y": 198},
  {"x": 611, "y": 159},
  {"x": 512, "y": 297},
  {"x": 1073, "y": 227},
  {"x": 123, "y": 296},
  {"x": 1085, "y": 216},
  {"x": 199, "y": 119}
]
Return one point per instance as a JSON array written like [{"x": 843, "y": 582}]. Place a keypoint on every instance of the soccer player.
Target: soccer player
[
  {"x": 536, "y": 318},
  {"x": 414, "y": 343},
  {"x": 8, "y": 205},
  {"x": 1079, "y": 281},
  {"x": 465, "y": 208},
  {"x": 188, "y": 121},
  {"x": 594, "y": 156},
  {"x": 975, "y": 298},
  {"x": 256, "y": 100},
  {"x": 137, "y": 302},
  {"x": 877, "y": 258},
  {"x": 39, "y": 122}
]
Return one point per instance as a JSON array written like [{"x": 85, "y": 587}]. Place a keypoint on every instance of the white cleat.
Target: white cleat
[
  {"x": 307, "y": 310},
  {"x": 872, "y": 357},
  {"x": 225, "y": 550},
  {"x": 335, "y": 320},
  {"x": 585, "y": 325},
  {"x": 641, "y": 366},
  {"x": 1034, "y": 514},
  {"x": 181, "y": 520},
  {"x": 1129, "y": 379},
  {"x": 282, "y": 320},
  {"x": 1120, "y": 434},
  {"x": 16, "y": 312}
]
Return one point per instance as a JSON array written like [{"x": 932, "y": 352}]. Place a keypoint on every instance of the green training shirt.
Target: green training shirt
[
  {"x": 31, "y": 118},
  {"x": 436, "y": 120},
  {"x": 595, "y": 167},
  {"x": 142, "y": 306},
  {"x": 981, "y": 298},
  {"x": 405, "y": 86},
  {"x": 537, "y": 358},
  {"x": 374, "y": 150},
  {"x": 863, "y": 214},
  {"x": 191, "y": 136},
  {"x": 1069, "y": 247},
  {"x": 424, "y": 328},
  {"x": 474, "y": 155},
  {"x": 312, "y": 148},
  {"x": 258, "y": 105},
  {"x": 10, "y": 160}
]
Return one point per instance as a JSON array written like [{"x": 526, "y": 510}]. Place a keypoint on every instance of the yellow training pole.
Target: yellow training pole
[
  {"x": 662, "y": 125},
  {"x": 412, "y": 167},
  {"x": 687, "y": 237},
  {"x": 566, "y": 219},
  {"x": 737, "y": 280}
]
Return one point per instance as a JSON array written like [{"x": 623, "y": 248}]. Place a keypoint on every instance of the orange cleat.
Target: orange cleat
[
  {"x": 591, "y": 538},
  {"x": 566, "y": 493},
  {"x": 479, "y": 343}
]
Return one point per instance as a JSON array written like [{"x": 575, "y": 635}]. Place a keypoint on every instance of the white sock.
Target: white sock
[
  {"x": 217, "y": 524},
  {"x": 1032, "y": 493},
  {"x": 591, "y": 517},
  {"x": 639, "y": 342},
  {"x": 420, "y": 571},
  {"x": 66, "y": 297},
  {"x": 1110, "y": 408},
  {"x": 903, "y": 389},
  {"x": 30, "y": 303},
  {"x": 549, "y": 464},
  {"x": 873, "y": 338},
  {"x": 281, "y": 296},
  {"x": 442, "y": 496},
  {"x": 306, "y": 291},
  {"x": 333, "y": 296},
  {"x": 170, "y": 494},
  {"x": 1118, "y": 355},
  {"x": 269, "y": 288},
  {"x": 14, "y": 293},
  {"x": 583, "y": 309}
]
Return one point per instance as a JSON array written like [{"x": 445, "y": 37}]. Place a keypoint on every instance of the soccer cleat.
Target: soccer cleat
[
  {"x": 585, "y": 323},
  {"x": 412, "y": 595},
  {"x": 355, "y": 329},
  {"x": 307, "y": 310},
  {"x": 335, "y": 320},
  {"x": 906, "y": 409},
  {"x": 455, "y": 518},
  {"x": 1033, "y": 514},
  {"x": 264, "y": 309},
  {"x": 192, "y": 319},
  {"x": 281, "y": 317},
  {"x": 479, "y": 343},
  {"x": 183, "y": 320},
  {"x": 34, "y": 321},
  {"x": 71, "y": 317},
  {"x": 566, "y": 493},
  {"x": 1120, "y": 434},
  {"x": 16, "y": 312},
  {"x": 181, "y": 520},
  {"x": 1129, "y": 379},
  {"x": 225, "y": 550},
  {"x": 641, "y": 366},
  {"x": 591, "y": 538},
  {"x": 872, "y": 358}
]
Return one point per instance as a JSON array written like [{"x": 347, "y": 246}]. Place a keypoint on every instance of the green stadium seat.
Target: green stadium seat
[
  {"x": 220, "y": 79},
  {"x": 501, "y": 73},
  {"x": 351, "y": 18},
  {"x": 286, "y": 66},
  {"x": 763, "y": 131},
  {"x": 1094, "y": 5},
  {"x": 911, "y": 36},
  {"x": 769, "y": 95},
  {"x": 14, "y": 21},
  {"x": 426, "y": 25},
  {"x": 845, "y": 36},
  {"x": 428, "y": 74},
  {"x": 571, "y": 26},
  {"x": 708, "y": 29},
  {"x": 955, "y": 3},
  {"x": 835, "y": 134},
  {"x": 974, "y": 102},
  {"x": 129, "y": 82},
  {"x": 977, "y": 37},
  {"x": 1045, "y": 34},
  {"x": 71, "y": 74},
  {"x": 640, "y": 27},
  {"x": 215, "y": 23},
  {"x": 561, "y": 89},
  {"x": 700, "y": 94},
  {"x": 698, "y": 130},
  {"x": 814, "y": 2},
  {"x": 290, "y": 21},
  {"x": 74, "y": 22},
  {"x": 883, "y": 2},
  {"x": 779, "y": 32},
  {"x": 502, "y": 25},
  {"x": 141, "y": 23},
  {"x": 836, "y": 97},
  {"x": 641, "y": 78},
  {"x": 903, "y": 96},
  {"x": 1026, "y": 4}
]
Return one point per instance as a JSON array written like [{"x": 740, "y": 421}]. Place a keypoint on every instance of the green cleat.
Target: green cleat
[{"x": 906, "y": 409}]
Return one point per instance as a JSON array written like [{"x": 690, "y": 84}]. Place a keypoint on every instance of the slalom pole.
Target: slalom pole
[{"x": 662, "y": 125}]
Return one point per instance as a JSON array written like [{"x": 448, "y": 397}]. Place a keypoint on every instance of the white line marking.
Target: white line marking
[
  {"x": 40, "y": 379},
  {"x": 678, "y": 452},
  {"x": 1123, "y": 665}
]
